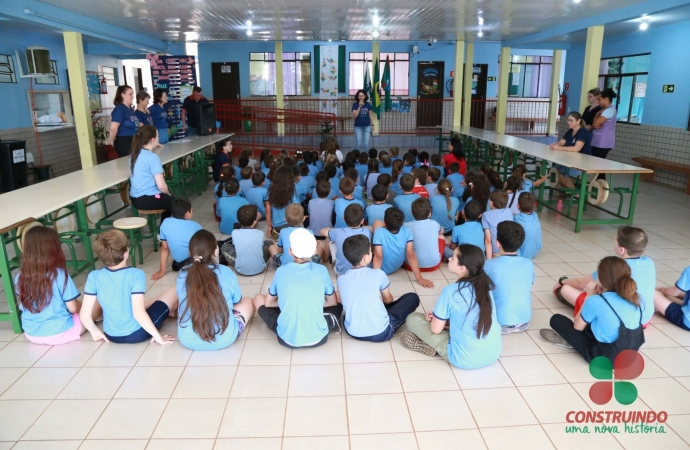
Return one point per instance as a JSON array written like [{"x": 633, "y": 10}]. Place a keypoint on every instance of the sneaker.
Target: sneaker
[
  {"x": 550, "y": 336},
  {"x": 562, "y": 299},
  {"x": 332, "y": 322},
  {"x": 410, "y": 341}
]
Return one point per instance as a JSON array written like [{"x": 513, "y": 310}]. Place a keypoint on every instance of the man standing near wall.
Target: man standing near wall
[{"x": 190, "y": 111}]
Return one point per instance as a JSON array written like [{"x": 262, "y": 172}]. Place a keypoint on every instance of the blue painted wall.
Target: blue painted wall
[{"x": 670, "y": 64}]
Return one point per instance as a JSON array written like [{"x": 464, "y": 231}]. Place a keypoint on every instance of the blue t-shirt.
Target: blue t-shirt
[
  {"x": 407, "y": 169},
  {"x": 335, "y": 186},
  {"x": 307, "y": 182},
  {"x": 512, "y": 204},
  {"x": 330, "y": 195},
  {"x": 301, "y": 193},
  {"x": 466, "y": 351},
  {"x": 143, "y": 117},
  {"x": 404, "y": 203},
  {"x": 388, "y": 170},
  {"x": 527, "y": 185},
  {"x": 227, "y": 210},
  {"x": 320, "y": 212},
  {"x": 583, "y": 136},
  {"x": 284, "y": 243},
  {"x": 683, "y": 284},
  {"x": 177, "y": 233},
  {"x": 469, "y": 233},
  {"x": 362, "y": 119},
  {"x": 513, "y": 277},
  {"x": 362, "y": 170},
  {"x": 339, "y": 207},
  {"x": 370, "y": 180},
  {"x": 249, "y": 245},
  {"x": 159, "y": 116},
  {"x": 603, "y": 320},
  {"x": 232, "y": 293},
  {"x": 376, "y": 211},
  {"x": 301, "y": 290},
  {"x": 124, "y": 115},
  {"x": 532, "y": 244},
  {"x": 393, "y": 246},
  {"x": 237, "y": 170},
  {"x": 141, "y": 180},
  {"x": 440, "y": 213},
  {"x": 360, "y": 291},
  {"x": 278, "y": 214},
  {"x": 456, "y": 180},
  {"x": 54, "y": 318},
  {"x": 358, "y": 194},
  {"x": 114, "y": 290},
  {"x": 432, "y": 189},
  {"x": 491, "y": 219},
  {"x": 223, "y": 192},
  {"x": 338, "y": 236},
  {"x": 425, "y": 237},
  {"x": 644, "y": 273},
  {"x": 245, "y": 185},
  {"x": 395, "y": 186},
  {"x": 257, "y": 196}
]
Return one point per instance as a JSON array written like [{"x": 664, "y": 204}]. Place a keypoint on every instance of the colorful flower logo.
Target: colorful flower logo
[{"x": 628, "y": 365}]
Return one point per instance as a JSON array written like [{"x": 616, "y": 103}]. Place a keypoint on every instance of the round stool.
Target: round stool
[
  {"x": 130, "y": 225},
  {"x": 151, "y": 217}
]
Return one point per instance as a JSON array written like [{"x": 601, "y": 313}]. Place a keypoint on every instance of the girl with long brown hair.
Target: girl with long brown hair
[
  {"x": 479, "y": 189},
  {"x": 474, "y": 337},
  {"x": 445, "y": 208},
  {"x": 212, "y": 311},
  {"x": 147, "y": 186},
  {"x": 396, "y": 173},
  {"x": 46, "y": 294},
  {"x": 281, "y": 193},
  {"x": 123, "y": 121},
  {"x": 610, "y": 320}
]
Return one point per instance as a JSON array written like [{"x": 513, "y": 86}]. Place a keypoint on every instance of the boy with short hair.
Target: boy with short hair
[
  {"x": 513, "y": 277},
  {"x": 300, "y": 190},
  {"x": 332, "y": 171},
  {"x": 491, "y": 218},
  {"x": 323, "y": 176},
  {"x": 258, "y": 194},
  {"x": 456, "y": 179},
  {"x": 395, "y": 152},
  {"x": 371, "y": 314},
  {"x": 246, "y": 181},
  {"x": 431, "y": 186},
  {"x": 470, "y": 232},
  {"x": 294, "y": 216},
  {"x": 393, "y": 245},
  {"x": 300, "y": 306},
  {"x": 347, "y": 187},
  {"x": 376, "y": 210},
  {"x": 247, "y": 251},
  {"x": 530, "y": 223},
  {"x": 427, "y": 237},
  {"x": 354, "y": 224},
  {"x": 307, "y": 181},
  {"x": 228, "y": 206},
  {"x": 320, "y": 209},
  {"x": 175, "y": 233},
  {"x": 358, "y": 192},
  {"x": 128, "y": 316},
  {"x": 437, "y": 163},
  {"x": 404, "y": 202},
  {"x": 420, "y": 176},
  {"x": 410, "y": 161},
  {"x": 386, "y": 180}
]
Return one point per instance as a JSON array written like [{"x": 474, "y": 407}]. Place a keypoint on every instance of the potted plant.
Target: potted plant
[
  {"x": 326, "y": 132},
  {"x": 100, "y": 135}
]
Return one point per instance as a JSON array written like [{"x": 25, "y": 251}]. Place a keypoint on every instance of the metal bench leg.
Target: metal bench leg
[
  {"x": 580, "y": 207},
  {"x": 633, "y": 198},
  {"x": 7, "y": 282}
]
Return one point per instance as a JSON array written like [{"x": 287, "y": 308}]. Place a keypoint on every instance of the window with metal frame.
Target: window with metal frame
[
  {"x": 7, "y": 72},
  {"x": 530, "y": 76},
  {"x": 627, "y": 76},
  {"x": 296, "y": 74},
  {"x": 54, "y": 79},
  {"x": 399, "y": 71}
]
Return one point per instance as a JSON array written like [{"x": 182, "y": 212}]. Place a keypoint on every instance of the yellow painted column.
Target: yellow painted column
[
  {"x": 74, "y": 50},
  {"x": 590, "y": 71},
  {"x": 502, "y": 102},
  {"x": 467, "y": 89},
  {"x": 280, "y": 90},
  {"x": 375, "y": 54},
  {"x": 554, "y": 95},
  {"x": 457, "y": 83}
]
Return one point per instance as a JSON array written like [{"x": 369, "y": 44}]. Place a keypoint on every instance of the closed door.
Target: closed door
[
  {"x": 430, "y": 93},
  {"x": 226, "y": 80}
]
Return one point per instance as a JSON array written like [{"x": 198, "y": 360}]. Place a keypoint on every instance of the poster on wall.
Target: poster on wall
[
  {"x": 328, "y": 76},
  {"x": 93, "y": 85},
  {"x": 177, "y": 75}
]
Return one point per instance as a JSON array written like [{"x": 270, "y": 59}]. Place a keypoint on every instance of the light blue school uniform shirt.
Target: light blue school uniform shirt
[
  {"x": 245, "y": 186},
  {"x": 141, "y": 181},
  {"x": 371, "y": 180},
  {"x": 227, "y": 210},
  {"x": 603, "y": 320},
  {"x": 278, "y": 214},
  {"x": 393, "y": 246},
  {"x": 644, "y": 273},
  {"x": 527, "y": 185},
  {"x": 222, "y": 191},
  {"x": 307, "y": 182},
  {"x": 491, "y": 219},
  {"x": 432, "y": 189},
  {"x": 532, "y": 245},
  {"x": 360, "y": 291},
  {"x": 249, "y": 250},
  {"x": 231, "y": 292},
  {"x": 54, "y": 318},
  {"x": 330, "y": 196},
  {"x": 683, "y": 284},
  {"x": 404, "y": 203},
  {"x": 395, "y": 187},
  {"x": 440, "y": 213},
  {"x": 301, "y": 290},
  {"x": 335, "y": 186},
  {"x": 465, "y": 350},
  {"x": 320, "y": 212},
  {"x": 513, "y": 277},
  {"x": 339, "y": 173},
  {"x": 114, "y": 290},
  {"x": 456, "y": 180},
  {"x": 388, "y": 170},
  {"x": 358, "y": 193},
  {"x": 362, "y": 170},
  {"x": 312, "y": 170},
  {"x": 338, "y": 236},
  {"x": 339, "y": 207},
  {"x": 284, "y": 243},
  {"x": 257, "y": 196},
  {"x": 407, "y": 169},
  {"x": 469, "y": 233},
  {"x": 301, "y": 192},
  {"x": 425, "y": 238},
  {"x": 237, "y": 170},
  {"x": 177, "y": 233},
  {"x": 375, "y": 211},
  {"x": 512, "y": 204}
]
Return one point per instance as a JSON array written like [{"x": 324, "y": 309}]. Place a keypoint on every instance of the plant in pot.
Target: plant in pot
[
  {"x": 326, "y": 132},
  {"x": 100, "y": 135}
]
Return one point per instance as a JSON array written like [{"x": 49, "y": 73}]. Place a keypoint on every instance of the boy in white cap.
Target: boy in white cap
[{"x": 301, "y": 306}]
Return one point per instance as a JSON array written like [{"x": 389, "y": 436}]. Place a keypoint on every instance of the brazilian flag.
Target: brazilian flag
[
  {"x": 376, "y": 95},
  {"x": 386, "y": 85}
]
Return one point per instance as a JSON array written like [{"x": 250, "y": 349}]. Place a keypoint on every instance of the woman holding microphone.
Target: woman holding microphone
[{"x": 363, "y": 126}]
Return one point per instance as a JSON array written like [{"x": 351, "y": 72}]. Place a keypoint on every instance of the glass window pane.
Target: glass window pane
[
  {"x": 400, "y": 74},
  {"x": 256, "y": 56},
  {"x": 634, "y": 64},
  {"x": 356, "y": 56},
  {"x": 638, "y": 100},
  {"x": 305, "y": 78},
  {"x": 547, "y": 59},
  {"x": 7, "y": 73},
  {"x": 367, "y": 56},
  {"x": 613, "y": 65},
  {"x": 544, "y": 80},
  {"x": 402, "y": 56},
  {"x": 305, "y": 56},
  {"x": 625, "y": 99}
]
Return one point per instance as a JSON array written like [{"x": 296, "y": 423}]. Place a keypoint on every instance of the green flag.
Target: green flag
[
  {"x": 367, "y": 80},
  {"x": 376, "y": 95},
  {"x": 386, "y": 84}
]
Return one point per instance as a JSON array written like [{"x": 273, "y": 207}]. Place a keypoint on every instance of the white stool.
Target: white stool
[{"x": 130, "y": 225}]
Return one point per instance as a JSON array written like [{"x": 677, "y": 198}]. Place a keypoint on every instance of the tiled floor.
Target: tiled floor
[{"x": 350, "y": 394}]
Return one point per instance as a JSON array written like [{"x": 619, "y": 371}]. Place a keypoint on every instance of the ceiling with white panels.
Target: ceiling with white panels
[{"x": 210, "y": 20}]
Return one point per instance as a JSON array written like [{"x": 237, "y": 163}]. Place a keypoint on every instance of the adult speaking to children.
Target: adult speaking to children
[
  {"x": 123, "y": 123},
  {"x": 361, "y": 110},
  {"x": 190, "y": 111},
  {"x": 455, "y": 155},
  {"x": 604, "y": 132},
  {"x": 148, "y": 189}
]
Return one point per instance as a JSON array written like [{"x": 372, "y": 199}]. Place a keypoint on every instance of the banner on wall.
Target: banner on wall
[
  {"x": 328, "y": 76},
  {"x": 177, "y": 75}
]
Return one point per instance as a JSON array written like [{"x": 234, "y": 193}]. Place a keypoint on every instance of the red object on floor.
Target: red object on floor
[{"x": 441, "y": 247}]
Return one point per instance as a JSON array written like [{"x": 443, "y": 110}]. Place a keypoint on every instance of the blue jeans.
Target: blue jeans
[
  {"x": 397, "y": 314},
  {"x": 163, "y": 135},
  {"x": 362, "y": 136}
]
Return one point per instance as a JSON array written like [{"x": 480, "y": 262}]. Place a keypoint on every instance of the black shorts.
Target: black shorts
[
  {"x": 675, "y": 315},
  {"x": 158, "y": 312},
  {"x": 270, "y": 318}
]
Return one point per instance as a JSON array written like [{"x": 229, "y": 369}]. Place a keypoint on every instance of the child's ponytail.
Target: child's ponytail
[
  {"x": 445, "y": 187},
  {"x": 143, "y": 137},
  {"x": 614, "y": 275},
  {"x": 397, "y": 170},
  {"x": 472, "y": 258}
]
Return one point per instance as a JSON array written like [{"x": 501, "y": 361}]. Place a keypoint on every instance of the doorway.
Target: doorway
[
  {"x": 430, "y": 93},
  {"x": 226, "y": 80}
]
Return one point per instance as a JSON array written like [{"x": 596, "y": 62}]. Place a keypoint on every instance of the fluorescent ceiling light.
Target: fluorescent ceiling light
[
  {"x": 375, "y": 34},
  {"x": 644, "y": 26}
]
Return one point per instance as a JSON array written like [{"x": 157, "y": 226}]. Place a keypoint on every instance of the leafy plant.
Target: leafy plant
[
  {"x": 100, "y": 134},
  {"x": 326, "y": 130}
]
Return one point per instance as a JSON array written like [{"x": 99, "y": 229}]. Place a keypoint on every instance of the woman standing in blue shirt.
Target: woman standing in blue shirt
[
  {"x": 159, "y": 114},
  {"x": 576, "y": 139},
  {"x": 363, "y": 126},
  {"x": 142, "y": 112},
  {"x": 124, "y": 123},
  {"x": 148, "y": 189}
]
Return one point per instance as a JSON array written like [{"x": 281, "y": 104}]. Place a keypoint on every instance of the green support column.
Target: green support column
[
  {"x": 280, "y": 91},
  {"x": 457, "y": 84},
  {"x": 590, "y": 71},
  {"x": 467, "y": 89},
  {"x": 554, "y": 94},
  {"x": 502, "y": 103}
]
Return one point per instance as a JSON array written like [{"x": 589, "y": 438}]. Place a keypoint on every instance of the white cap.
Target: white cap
[{"x": 302, "y": 243}]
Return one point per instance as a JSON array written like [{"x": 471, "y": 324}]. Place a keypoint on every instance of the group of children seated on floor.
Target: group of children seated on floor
[{"x": 490, "y": 251}]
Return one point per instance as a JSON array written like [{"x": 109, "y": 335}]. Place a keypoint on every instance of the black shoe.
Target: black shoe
[{"x": 562, "y": 299}]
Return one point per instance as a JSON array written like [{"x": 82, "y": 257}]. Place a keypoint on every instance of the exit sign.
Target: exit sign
[
  {"x": 668, "y": 88},
  {"x": 490, "y": 78}
]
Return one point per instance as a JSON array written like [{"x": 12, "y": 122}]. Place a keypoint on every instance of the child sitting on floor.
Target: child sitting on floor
[
  {"x": 358, "y": 193},
  {"x": 513, "y": 187},
  {"x": 410, "y": 162},
  {"x": 491, "y": 218},
  {"x": 445, "y": 208},
  {"x": 433, "y": 175},
  {"x": 281, "y": 193},
  {"x": 294, "y": 214},
  {"x": 456, "y": 179},
  {"x": 427, "y": 236},
  {"x": 247, "y": 251},
  {"x": 320, "y": 209},
  {"x": 175, "y": 233},
  {"x": 386, "y": 180},
  {"x": 347, "y": 187},
  {"x": 376, "y": 210},
  {"x": 370, "y": 179},
  {"x": 470, "y": 232},
  {"x": 219, "y": 188},
  {"x": 258, "y": 194},
  {"x": 672, "y": 301},
  {"x": 354, "y": 224},
  {"x": 246, "y": 180},
  {"x": 420, "y": 176},
  {"x": 404, "y": 202},
  {"x": 530, "y": 223},
  {"x": 228, "y": 206}
]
